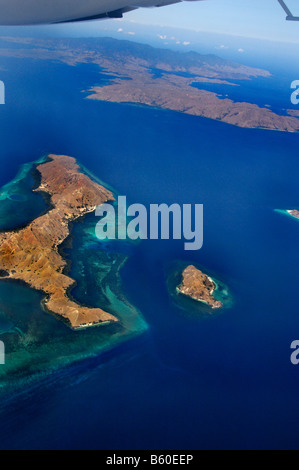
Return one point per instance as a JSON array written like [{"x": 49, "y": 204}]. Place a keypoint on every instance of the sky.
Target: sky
[
  {"x": 232, "y": 29},
  {"x": 258, "y": 19},
  {"x": 251, "y": 18}
]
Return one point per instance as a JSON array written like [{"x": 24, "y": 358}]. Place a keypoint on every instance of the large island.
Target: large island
[
  {"x": 32, "y": 255},
  {"x": 160, "y": 78}
]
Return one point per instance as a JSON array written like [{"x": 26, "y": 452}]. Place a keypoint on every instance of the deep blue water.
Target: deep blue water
[
  {"x": 273, "y": 92},
  {"x": 223, "y": 381}
]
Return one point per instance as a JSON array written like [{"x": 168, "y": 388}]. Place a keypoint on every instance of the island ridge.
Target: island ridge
[
  {"x": 31, "y": 254},
  {"x": 160, "y": 78}
]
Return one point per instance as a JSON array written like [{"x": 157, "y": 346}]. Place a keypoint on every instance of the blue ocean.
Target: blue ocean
[{"x": 186, "y": 381}]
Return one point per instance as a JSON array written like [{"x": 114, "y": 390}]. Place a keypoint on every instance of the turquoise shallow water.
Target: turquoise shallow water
[
  {"x": 192, "y": 307},
  {"x": 18, "y": 203},
  {"x": 190, "y": 381},
  {"x": 286, "y": 213},
  {"x": 35, "y": 342}
]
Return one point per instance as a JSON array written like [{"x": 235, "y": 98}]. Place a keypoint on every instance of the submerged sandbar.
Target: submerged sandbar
[{"x": 294, "y": 213}]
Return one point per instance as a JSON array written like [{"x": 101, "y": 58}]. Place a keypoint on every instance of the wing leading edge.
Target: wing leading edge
[{"x": 20, "y": 12}]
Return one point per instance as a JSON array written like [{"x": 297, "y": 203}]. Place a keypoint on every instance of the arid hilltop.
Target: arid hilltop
[
  {"x": 31, "y": 254},
  {"x": 294, "y": 213},
  {"x": 198, "y": 286}
]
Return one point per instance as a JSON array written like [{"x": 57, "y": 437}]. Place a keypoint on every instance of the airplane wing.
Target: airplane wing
[
  {"x": 20, "y": 12},
  {"x": 290, "y": 16}
]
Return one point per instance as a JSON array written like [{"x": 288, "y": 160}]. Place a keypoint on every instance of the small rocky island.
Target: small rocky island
[
  {"x": 198, "y": 286},
  {"x": 294, "y": 213},
  {"x": 32, "y": 255}
]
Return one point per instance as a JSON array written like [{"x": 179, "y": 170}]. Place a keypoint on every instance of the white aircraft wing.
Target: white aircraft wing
[{"x": 24, "y": 12}]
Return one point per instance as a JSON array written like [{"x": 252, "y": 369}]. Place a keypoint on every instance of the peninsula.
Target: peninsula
[
  {"x": 198, "y": 286},
  {"x": 32, "y": 255},
  {"x": 161, "y": 78}
]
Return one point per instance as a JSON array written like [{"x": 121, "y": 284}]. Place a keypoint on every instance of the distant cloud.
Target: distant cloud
[
  {"x": 178, "y": 42},
  {"x": 161, "y": 36},
  {"x": 131, "y": 33},
  {"x": 241, "y": 50},
  {"x": 222, "y": 47},
  {"x": 186, "y": 43}
]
